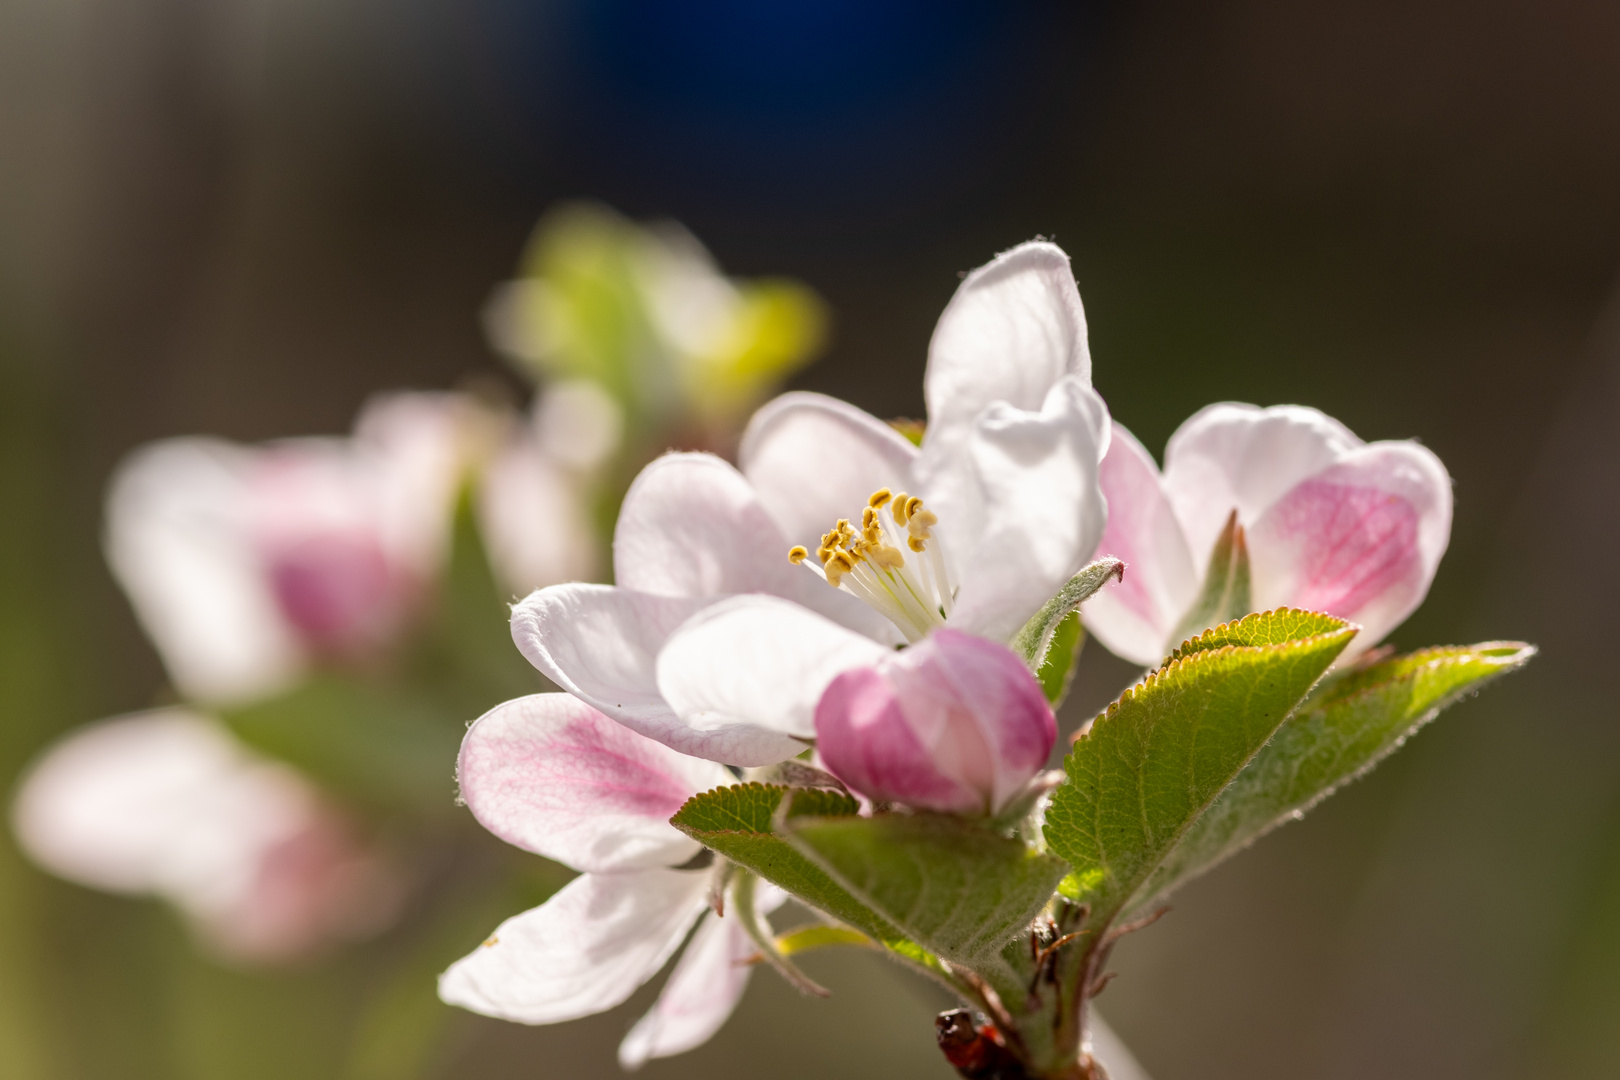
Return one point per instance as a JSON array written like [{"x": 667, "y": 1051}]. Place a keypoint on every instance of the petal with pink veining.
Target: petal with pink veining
[
  {"x": 955, "y": 723},
  {"x": 1230, "y": 456},
  {"x": 1360, "y": 540},
  {"x": 554, "y": 776}
]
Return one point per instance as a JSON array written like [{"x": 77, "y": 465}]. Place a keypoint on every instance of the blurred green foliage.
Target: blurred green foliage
[{"x": 644, "y": 312}]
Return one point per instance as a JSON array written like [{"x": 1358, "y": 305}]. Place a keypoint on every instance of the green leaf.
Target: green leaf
[
  {"x": 1061, "y": 659},
  {"x": 1340, "y": 732},
  {"x": 1153, "y": 762},
  {"x": 738, "y": 822},
  {"x": 818, "y": 936},
  {"x": 747, "y": 914},
  {"x": 1035, "y": 641},
  {"x": 1225, "y": 596},
  {"x": 956, "y": 888}
]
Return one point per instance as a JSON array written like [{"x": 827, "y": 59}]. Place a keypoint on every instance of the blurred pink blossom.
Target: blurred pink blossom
[
  {"x": 245, "y": 564},
  {"x": 168, "y": 804}
]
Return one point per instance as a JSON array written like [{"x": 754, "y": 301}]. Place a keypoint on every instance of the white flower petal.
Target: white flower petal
[
  {"x": 1361, "y": 540},
  {"x": 534, "y": 522},
  {"x": 554, "y": 776},
  {"x": 578, "y": 423},
  {"x": 703, "y": 990},
  {"x": 1232, "y": 456},
  {"x": 1135, "y": 617},
  {"x": 699, "y": 997},
  {"x": 691, "y": 525},
  {"x": 583, "y": 951},
  {"x": 178, "y": 539},
  {"x": 815, "y": 459},
  {"x": 1014, "y": 328},
  {"x": 601, "y": 644},
  {"x": 1020, "y": 507},
  {"x": 745, "y": 675}
]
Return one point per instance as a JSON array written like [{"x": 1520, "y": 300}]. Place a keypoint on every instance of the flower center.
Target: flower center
[{"x": 892, "y": 561}]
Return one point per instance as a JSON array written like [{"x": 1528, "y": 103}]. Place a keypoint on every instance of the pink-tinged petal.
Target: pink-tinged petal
[
  {"x": 167, "y": 803},
  {"x": 699, "y": 997},
  {"x": 691, "y": 525},
  {"x": 1361, "y": 540},
  {"x": 1230, "y": 456},
  {"x": 815, "y": 459},
  {"x": 954, "y": 723},
  {"x": 702, "y": 991},
  {"x": 1135, "y": 618},
  {"x": 601, "y": 644},
  {"x": 555, "y": 777},
  {"x": 534, "y": 522},
  {"x": 344, "y": 559},
  {"x": 1014, "y": 328},
  {"x": 1020, "y": 507},
  {"x": 179, "y": 540},
  {"x": 583, "y": 951},
  {"x": 744, "y": 676}
]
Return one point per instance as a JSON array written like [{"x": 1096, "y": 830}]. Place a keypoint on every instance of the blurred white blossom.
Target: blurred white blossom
[{"x": 167, "y": 803}]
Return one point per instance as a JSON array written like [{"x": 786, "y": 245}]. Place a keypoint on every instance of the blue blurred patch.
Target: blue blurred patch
[{"x": 830, "y": 104}]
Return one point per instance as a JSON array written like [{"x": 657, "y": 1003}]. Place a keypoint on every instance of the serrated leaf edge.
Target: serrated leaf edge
[
  {"x": 1187, "y": 648},
  {"x": 1176, "y": 661}
]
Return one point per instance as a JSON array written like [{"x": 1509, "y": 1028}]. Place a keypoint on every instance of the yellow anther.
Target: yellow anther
[
  {"x": 797, "y": 554},
  {"x": 878, "y": 499},
  {"x": 916, "y": 543},
  {"x": 913, "y": 505},
  {"x": 837, "y": 566},
  {"x": 901, "y": 508},
  {"x": 868, "y": 518},
  {"x": 888, "y": 557},
  {"x": 921, "y": 521}
]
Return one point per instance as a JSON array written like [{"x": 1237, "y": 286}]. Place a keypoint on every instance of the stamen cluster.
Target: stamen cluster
[{"x": 871, "y": 562}]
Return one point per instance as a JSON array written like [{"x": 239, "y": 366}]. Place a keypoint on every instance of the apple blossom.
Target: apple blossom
[
  {"x": 553, "y": 776},
  {"x": 955, "y": 723},
  {"x": 1329, "y": 523},
  {"x": 244, "y": 564},
  {"x": 167, "y": 803},
  {"x": 722, "y": 633}
]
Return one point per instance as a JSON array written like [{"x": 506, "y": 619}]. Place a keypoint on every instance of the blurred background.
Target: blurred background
[{"x": 239, "y": 217}]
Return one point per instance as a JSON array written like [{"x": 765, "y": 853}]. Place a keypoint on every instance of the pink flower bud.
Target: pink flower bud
[{"x": 954, "y": 723}]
